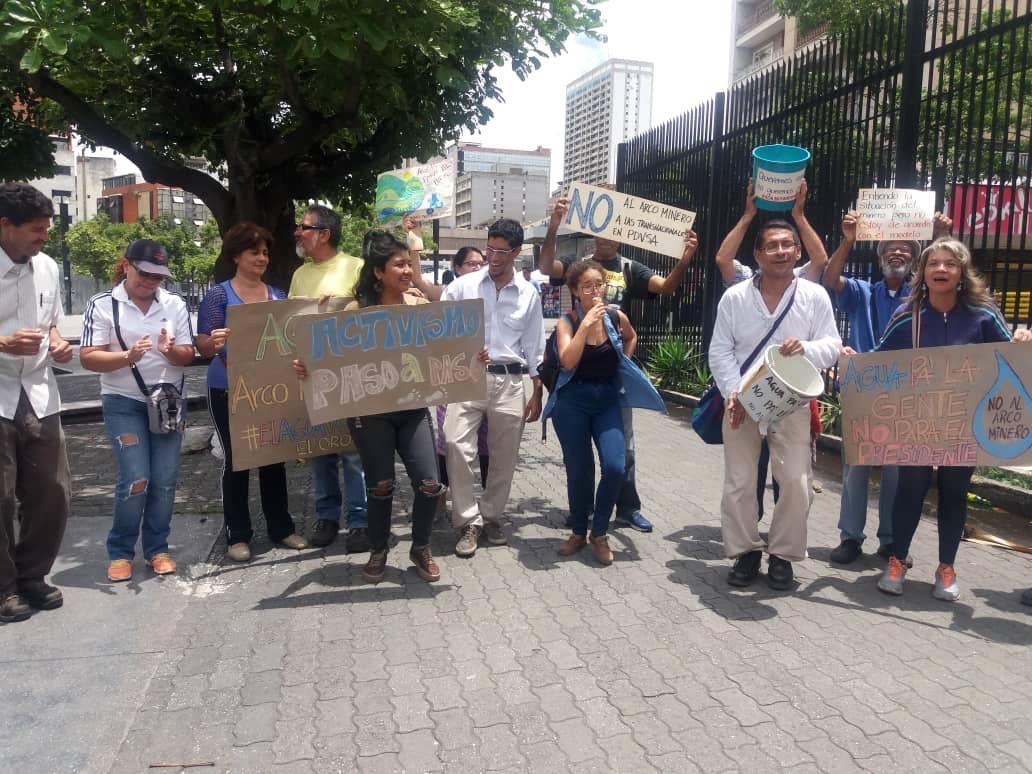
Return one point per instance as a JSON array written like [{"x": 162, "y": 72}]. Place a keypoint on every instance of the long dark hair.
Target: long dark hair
[
  {"x": 378, "y": 247},
  {"x": 243, "y": 236}
]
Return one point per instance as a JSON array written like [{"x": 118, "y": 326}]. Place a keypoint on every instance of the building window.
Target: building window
[
  {"x": 62, "y": 169},
  {"x": 55, "y": 193}
]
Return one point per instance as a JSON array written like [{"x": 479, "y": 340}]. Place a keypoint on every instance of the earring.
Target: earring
[
  {"x": 924, "y": 288},
  {"x": 378, "y": 286},
  {"x": 960, "y": 286}
]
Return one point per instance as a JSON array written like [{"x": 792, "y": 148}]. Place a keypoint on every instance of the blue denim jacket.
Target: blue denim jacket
[{"x": 636, "y": 391}]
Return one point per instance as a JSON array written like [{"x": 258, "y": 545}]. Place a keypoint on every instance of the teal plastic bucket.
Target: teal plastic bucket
[{"x": 778, "y": 171}]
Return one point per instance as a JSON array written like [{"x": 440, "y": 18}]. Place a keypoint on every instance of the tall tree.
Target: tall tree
[{"x": 288, "y": 99}]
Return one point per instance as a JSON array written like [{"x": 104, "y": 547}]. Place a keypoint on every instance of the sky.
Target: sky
[{"x": 688, "y": 42}]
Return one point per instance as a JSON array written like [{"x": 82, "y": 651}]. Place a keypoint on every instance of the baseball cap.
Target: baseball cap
[{"x": 147, "y": 255}]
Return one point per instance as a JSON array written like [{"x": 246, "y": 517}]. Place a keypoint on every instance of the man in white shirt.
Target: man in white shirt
[
  {"x": 35, "y": 482},
  {"x": 745, "y": 314},
  {"x": 515, "y": 337}
]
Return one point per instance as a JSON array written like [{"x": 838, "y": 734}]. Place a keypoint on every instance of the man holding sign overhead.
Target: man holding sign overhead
[
  {"x": 868, "y": 306},
  {"x": 625, "y": 279}
]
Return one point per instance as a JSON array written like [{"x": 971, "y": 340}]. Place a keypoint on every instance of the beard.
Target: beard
[
  {"x": 299, "y": 249},
  {"x": 894, "y": 272}
]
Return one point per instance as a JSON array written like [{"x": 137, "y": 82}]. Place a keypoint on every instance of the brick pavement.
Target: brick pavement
[{"x": 518, "y": 660}]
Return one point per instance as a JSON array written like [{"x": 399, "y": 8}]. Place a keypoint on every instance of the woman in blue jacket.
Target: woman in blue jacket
[
  {"x": 952, "y": 306},
  {"x": 596, "y": 380}
]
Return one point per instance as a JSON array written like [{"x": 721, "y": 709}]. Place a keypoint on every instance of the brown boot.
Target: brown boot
[
  {"x": 600, "y": 545},
  {"x": 572, "y": 544}
]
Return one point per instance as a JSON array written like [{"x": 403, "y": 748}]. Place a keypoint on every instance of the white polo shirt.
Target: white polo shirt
[
  {"x": 30, "y": 297},
  {"x": 168, "y": 311}
]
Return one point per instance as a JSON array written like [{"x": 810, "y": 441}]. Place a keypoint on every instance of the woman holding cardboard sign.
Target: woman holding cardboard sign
[
  {"x": 385, "y": 279},
  {"x": 948, "y": 305},
  {"x": 240, "y": 267}
]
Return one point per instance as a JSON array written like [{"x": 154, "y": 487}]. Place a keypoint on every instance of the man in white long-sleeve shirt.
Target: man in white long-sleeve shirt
[{"x": 744, "y": 316}]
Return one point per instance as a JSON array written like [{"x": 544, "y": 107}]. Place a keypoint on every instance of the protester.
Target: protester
[
  {"x": 238, "y": 271},
  {"x": 868, "y": 307},
  {"x": 129, "y": 336},
  {"x": 596, "y": 380},
  {"x": 797, "y": 315},
  {"x": 331, "y": 272},
  {"x": 35, "y": 482},
  {"x": 515, "y": 341},
  {"x": 952, "y": 306},
  {"x": 626, "y": 279},
  {"x": 465, "y": 260},
  {"x": 733, "y": 271},
  {"x": 385, "y": 278}
]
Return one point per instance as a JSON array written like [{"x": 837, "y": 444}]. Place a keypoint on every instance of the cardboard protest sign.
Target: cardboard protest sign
[
  {"x": 953, "y": 406},
  {"x": 427, "y": 191},
  {"x": 391, "y": 358},
  {"x": 894, "y": 213},
  {"x": 268, "y": 421},
  {"x": 629, "y": 219}
]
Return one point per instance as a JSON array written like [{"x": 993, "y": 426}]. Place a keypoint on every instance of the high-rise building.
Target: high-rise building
[
  {"x": 761, "y": 37},
  {"x": 605, "y": 107},
  {"x": 124, "y": 200},
  {"x": 493, "y": 183}
]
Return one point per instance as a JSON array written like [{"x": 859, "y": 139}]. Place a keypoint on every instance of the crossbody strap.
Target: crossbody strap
[
  {"x": 132, "y": 366},
  {"x": 765, "y": 339}
]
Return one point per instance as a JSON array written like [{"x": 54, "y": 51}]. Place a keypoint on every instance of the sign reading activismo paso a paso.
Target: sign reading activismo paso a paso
[
  {"x": 426, "y": 191},
  {"x": 952, "y": 406},
  {"x": 391, "y": 358},
  {"x": 628, "y": 219},
  {"x": 268, "y": 421}
]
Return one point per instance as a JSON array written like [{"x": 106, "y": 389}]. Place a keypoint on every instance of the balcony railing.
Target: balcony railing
[
  {"x": 775, "y": 57},
  {"x": 760, "y": 13}
]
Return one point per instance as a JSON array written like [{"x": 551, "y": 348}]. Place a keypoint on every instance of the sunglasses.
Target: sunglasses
[
  {"x": 306, "y": 227},
  {"x": 148, "y": 275}
]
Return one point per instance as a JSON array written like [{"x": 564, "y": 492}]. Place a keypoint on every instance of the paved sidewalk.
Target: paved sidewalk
[{"x": 519, "y": 660}]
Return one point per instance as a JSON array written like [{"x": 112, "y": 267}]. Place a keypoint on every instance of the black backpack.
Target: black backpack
[{"x": 549, "y": 368}]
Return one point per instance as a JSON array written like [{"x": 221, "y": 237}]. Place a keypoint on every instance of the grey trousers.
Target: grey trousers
[{"x": 35, "y": 485}]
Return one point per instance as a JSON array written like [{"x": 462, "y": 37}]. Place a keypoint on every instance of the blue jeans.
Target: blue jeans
[
  {"x": 853, "y": 508},
  {"x": 148, "y": 464},
  {"x": 328, "y": 498},
  {"x": 586, "y": 411}
]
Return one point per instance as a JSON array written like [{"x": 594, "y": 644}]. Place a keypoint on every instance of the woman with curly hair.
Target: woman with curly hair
[{"x": 948, "y": 305}]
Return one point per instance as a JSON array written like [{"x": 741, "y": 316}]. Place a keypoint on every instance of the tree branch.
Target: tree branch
[{"x": 154, "y": 168}]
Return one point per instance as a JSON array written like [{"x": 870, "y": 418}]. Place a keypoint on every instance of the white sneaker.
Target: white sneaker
[{"x": 946, "y": 587}]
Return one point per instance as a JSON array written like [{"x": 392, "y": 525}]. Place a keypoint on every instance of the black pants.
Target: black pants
[
  {"x": 913, "y": 485},
  {"x": 35, "y": 483},
  {"x": 272, "y": 484},
  {"x": 378, "y": 437}
]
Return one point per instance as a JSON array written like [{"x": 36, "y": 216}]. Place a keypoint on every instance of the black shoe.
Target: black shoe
[
  {"x": 779, "y": 574},
  {"x": 747, "y": 567},
  {"x": 40, "y": 595},
  {"x": 325, "y": 532},
  {"x": 14, "y": 608},
  {"x": 848, "y": 551},
  {"x": 356, "y": 540}
]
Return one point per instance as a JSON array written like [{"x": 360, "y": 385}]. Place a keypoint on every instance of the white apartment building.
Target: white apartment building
[
  {"x": 761, "y": 37},
  {"x": 605, "y": 107}
]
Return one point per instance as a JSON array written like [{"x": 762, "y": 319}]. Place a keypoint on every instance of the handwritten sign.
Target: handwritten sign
[
  {"x": 427, "y": 190},
  {"x": 952, "y": 406},
  {"x": 391, "y": 358},
  {"x": 777, "y": 187},
  {"x": 628, "y": 219},
  {"x": 894, "y": 213},
  {"x": 268, "y": 421}
]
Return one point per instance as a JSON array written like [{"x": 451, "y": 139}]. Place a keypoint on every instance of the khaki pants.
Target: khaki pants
[
  {"x": 35, "y": 483},
  {"x": 789, "y": 443},
  {"x": 503, "y": 409}
]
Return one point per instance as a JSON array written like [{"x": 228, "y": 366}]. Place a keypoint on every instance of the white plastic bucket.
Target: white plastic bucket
[{"x": 779, "y": 386}]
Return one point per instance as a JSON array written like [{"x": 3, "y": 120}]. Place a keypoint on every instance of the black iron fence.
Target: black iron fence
[{"x": 936, "y": 94}]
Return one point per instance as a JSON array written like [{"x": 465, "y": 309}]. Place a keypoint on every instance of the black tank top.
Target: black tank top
[{"x": 598, "y": 363}]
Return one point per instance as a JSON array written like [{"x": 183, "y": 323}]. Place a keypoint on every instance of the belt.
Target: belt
[{"x": 506, "y": 368}]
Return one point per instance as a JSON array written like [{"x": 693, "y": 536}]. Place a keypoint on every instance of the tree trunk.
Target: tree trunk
[{"x": 269, "y": 206}]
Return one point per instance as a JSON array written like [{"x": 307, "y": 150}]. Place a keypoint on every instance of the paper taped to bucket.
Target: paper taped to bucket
[
  {"x": 778, "y": 171},
  {"x": 779, "y": 386}
]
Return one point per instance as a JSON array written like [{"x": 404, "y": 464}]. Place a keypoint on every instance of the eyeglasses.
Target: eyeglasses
[
  {"x": 776, "y": 247},
  {"x": 307, "y": 227},
  {"x": 587, "y": 287},
  {"x": 489, "y": 251},
  {"x": 472, "y": 264}
]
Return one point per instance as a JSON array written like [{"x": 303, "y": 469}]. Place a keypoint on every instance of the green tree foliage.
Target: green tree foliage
[
  {"x": 839, "y": 15},
  {"x": 292, "y": 99},
  {"x": 25, "y": 150}
]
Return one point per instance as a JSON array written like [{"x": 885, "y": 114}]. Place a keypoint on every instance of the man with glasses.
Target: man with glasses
[
  {"x": 515, "y": 338},
  {"x": 331, "y": 272},
  {"x": 800, "y": 315},
  {"x": 35, "y": 482},
  {"x": 625, "y": 279},
  {"x": 868, "y": 306}
]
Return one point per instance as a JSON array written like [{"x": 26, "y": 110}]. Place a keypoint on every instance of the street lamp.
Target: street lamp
[{"x": 62, "y": 202}]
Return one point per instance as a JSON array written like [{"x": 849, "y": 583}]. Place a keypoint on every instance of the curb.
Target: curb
[{"x": 1012, "y": 498}]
